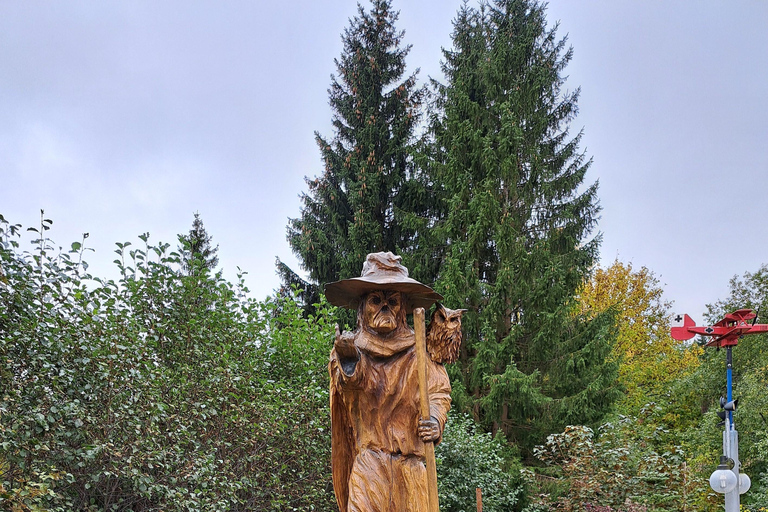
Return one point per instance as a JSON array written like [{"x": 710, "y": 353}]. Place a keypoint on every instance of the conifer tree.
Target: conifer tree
[
  {"x": 519, "y": 225},
  {"x": 198, "y": 256},
  {"x": 355, "y": 206}
]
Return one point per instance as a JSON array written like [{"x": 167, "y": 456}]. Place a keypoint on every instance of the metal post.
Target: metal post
[
  {"x": 732, "y": 499},
  {"x": 731, "y": 438}
]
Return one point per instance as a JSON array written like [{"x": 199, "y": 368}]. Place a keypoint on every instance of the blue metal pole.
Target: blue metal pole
[{"x": 729, "y": 374}]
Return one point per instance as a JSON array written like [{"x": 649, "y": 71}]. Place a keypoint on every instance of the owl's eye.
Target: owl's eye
[
  {"x": 375, "y": 299},
  {"x": 392, "y": 302}
]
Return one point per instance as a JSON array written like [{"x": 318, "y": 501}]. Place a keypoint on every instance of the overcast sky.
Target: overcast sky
[{"x": 120, "y": 118}]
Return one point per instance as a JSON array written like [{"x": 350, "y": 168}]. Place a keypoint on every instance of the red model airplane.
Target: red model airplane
[{"x": 725, "y": 333}]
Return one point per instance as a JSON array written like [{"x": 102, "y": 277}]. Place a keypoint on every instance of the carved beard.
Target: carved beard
[{"x": 382, "y": 311}]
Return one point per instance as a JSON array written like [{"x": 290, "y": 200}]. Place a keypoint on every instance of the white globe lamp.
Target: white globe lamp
[
  {"x": 723, "y": 480},
  {"x": 744, "y": 483}
]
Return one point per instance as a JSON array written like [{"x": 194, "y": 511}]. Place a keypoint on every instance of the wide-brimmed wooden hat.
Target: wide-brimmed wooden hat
[{"x": 381, "y": 271}]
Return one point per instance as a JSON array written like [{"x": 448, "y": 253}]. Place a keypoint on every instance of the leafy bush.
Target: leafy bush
[
  {"x": 757, "y": 497},
  {"x": 620, "y": 469},
  {"x": 468, "y": 459},
  {"x": 160, "y": 391}
]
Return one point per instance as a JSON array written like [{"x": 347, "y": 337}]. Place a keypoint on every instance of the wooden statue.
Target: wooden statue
[{"x": 379, "y": 437}]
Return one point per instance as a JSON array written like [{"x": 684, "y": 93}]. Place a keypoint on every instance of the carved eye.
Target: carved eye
[
  {"x": 375, "y": 299},
  {"x": 392, "y": 301}
]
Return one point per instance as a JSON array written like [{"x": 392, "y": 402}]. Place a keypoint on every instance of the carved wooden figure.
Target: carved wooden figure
[
  {"x": 444, "y": 334},
  {"x": 379, "y": 441}
]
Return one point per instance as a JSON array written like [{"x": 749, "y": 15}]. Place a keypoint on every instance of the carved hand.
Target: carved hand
[
  {"x": 345, "y": 344},
  {"x": 429, "y": 430}
]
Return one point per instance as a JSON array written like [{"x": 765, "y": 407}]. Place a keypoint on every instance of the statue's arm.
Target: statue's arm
[
  {"x": 439, "y": 404},
  {"x": 439, "y": 396}
]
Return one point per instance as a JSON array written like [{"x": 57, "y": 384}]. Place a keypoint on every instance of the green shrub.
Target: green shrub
[
  {"x": 624, "y": 468},
  {"x": 468, "y": 459},
  {"x": 160, "y": 391}
]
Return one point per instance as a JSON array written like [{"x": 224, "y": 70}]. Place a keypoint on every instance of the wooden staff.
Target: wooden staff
[{"x": 429, "y": 447}]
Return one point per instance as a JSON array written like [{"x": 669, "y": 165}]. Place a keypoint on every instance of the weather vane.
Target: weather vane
[{"x": 725, "y": 334}]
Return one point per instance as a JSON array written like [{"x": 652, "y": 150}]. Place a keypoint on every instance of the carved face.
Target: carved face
[{"x": 381, "y": 311}]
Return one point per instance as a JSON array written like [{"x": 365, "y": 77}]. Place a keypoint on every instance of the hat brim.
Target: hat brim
[{"x": 347, "y": 292}]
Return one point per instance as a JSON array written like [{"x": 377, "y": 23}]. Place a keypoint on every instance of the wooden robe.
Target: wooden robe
[{"x": 377, "y": 454}]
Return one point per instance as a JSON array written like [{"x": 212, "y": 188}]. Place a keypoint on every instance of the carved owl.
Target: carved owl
[{"x": 444, "y": 334}]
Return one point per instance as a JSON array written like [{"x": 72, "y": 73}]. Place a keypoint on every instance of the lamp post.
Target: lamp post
[
  {"x": 727, "y": 480},
  {"x": 725, "y": 334}
]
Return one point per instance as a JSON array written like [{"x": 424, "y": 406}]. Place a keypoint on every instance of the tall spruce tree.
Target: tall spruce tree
[
  {"x": 198, "y": 256},
  {"x": 519, "y": 226},
  {"x": 356, "y": 205}
]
